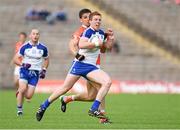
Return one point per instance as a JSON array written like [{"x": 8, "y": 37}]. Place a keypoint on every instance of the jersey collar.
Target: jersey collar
[
  {"x": 33, "y": 44},
  {"x": 94, "y": 29}
]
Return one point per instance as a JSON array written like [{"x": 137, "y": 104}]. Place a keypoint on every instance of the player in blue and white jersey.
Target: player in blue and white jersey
[
  {"x": 92, "y": 53},
  {"x": 90, "y": 43},
  {"x": 33, "y": 66},
  {"x": 92, "y": 87}
]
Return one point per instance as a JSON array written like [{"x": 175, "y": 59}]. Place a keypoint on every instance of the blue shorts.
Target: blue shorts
[
  {"x": 31, "y": 76},
  {"x": 82, "y": 69}
]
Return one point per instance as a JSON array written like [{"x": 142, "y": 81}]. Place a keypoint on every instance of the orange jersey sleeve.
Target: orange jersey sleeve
[
  {"x": 18, "y": 46},
  {"x": 79, "y": 32}
]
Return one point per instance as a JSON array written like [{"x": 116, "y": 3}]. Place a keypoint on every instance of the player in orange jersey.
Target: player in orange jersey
[{"x": 21, "y": 41}]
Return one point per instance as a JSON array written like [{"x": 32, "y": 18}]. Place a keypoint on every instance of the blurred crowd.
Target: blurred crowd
[{"x": 42, "y": 14}]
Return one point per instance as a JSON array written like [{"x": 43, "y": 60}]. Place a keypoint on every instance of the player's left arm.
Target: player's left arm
[
  {"x": 109, "y": 39},
  {"x": 46, "y": 59},
  {"x": 42, "y": 73},
  {"x": 46, "y": 63}
]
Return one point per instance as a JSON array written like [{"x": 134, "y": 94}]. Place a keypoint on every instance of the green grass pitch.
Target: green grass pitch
[{"x": 127, "y": 111}]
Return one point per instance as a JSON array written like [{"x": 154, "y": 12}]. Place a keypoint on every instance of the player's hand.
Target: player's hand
[
  {"x": 100, "y": 43},
  {"x": 42, "y": 74},
  {"x": 105, "y": 36},
  {"x": 80, "y": 57},
  {"x": 109, "y": 32},
  {"x": 111, "y": 37},
  {"x": 26, "y": 65}
]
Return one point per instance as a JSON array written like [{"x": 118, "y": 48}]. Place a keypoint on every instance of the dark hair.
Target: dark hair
[
  {"x": 93, "y": 14},
  {"x": 23, "y": 33},
  {"x": 83, "y": 11}
]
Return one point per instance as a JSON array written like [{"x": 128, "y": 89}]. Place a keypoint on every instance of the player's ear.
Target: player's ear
[{"x": 81, "y": 20}]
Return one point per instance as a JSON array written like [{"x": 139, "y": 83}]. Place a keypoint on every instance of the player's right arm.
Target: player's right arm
[
  {"x": 17, "y": 60},
  {"x": 17, "y": 47},
  {"x": 85, "y": 44},
  {"x": 73, "y": 45},
  {"x": 19, "y": 55}
]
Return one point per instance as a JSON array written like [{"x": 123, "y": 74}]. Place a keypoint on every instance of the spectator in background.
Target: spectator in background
[
  {"x": 32, "y": 14},
  {"x": 61, "y": 14},
  {"x": 51, "y": 19},
  {"x": 37, "y": 14},
  {"x": 43, "y": 14}
]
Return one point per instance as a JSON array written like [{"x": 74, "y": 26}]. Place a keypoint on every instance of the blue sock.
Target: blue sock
[
  {"x": 45, "y": 104},
  {"x": 19, "y": 108},
  {"x": 95, "y": 105}
]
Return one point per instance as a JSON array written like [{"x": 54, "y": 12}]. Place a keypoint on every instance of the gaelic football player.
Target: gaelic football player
[
  {"x": 87, "y": 68},
  {"x": 35, "y": 60}
]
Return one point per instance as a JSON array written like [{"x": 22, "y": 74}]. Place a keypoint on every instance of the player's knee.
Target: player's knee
[
  {"x": 108, "y": 83},
  {"x": 91, "y": 97},
  {"x": 22, "y": 90},
  {"x": 28, "y": 97}
]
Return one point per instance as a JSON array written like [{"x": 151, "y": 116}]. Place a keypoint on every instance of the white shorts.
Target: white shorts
[{"x": 17, "y": 70}]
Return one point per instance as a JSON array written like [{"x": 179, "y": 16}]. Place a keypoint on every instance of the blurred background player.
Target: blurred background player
[
  {"x": 21, "y": 41},
  {"x": 92, "y": 87},
  {"x": 32, "y": 67},
  {"x": 87, "y": 68}
]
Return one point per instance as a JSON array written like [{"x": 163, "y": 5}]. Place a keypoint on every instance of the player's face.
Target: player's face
[
  {"x": 22, "y": 38},
  {"x": 34, "y": 36},
  {"x": 95, "y": 22},
  {"x": 85, "y": 19}
]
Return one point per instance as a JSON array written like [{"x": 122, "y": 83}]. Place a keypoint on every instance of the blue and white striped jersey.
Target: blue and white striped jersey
[
  {"x": 92, "y": 56},
  {"x": 34, "y": 54}
]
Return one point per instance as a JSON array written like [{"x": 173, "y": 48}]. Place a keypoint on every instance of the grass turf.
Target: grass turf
[{"x": 127, "y": 111}]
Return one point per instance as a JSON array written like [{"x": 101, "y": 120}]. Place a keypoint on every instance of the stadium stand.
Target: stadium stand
[
  {"x": 132, "y": 63},
  {"x": 156, "y": 21}
]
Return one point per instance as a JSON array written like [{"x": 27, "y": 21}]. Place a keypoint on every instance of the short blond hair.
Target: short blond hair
[{"x": 93, "y": 14}]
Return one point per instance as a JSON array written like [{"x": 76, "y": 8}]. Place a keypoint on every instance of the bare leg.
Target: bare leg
[
  {"x": 68, "y": 84},
  {"x": 102, "y": 78},
  {"x": 20, "y": 96},
  {"x": 90, "y": 95},
  {"x": 30, "y": 92},
  {"x": 16, "y": 81}
]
